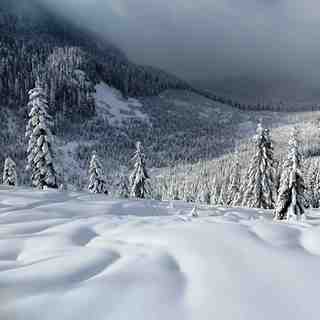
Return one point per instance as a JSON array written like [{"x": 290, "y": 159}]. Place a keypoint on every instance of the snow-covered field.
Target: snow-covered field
[{"x": 78, "y": 256}]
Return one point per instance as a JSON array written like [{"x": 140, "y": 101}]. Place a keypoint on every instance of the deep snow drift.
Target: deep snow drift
[{"x": 77, "y": 256}]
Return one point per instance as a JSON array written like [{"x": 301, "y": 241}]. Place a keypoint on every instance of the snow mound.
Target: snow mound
[
  {"x": 113, "y": 106},
  {"x": 81, "y": 256}
]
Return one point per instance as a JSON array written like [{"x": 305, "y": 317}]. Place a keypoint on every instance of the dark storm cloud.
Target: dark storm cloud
[{"x": 210, "y": 39}]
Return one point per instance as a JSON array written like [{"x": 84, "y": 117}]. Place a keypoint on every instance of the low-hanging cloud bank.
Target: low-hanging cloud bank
[{"x": 266, "y": 40}]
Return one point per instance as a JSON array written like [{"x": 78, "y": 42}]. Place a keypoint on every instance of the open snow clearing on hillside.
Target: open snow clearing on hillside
[{"x": 111, "y": 104}]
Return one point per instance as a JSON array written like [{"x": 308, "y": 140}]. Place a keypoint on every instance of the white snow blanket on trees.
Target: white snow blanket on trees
[{"x": 80, "y": 256}]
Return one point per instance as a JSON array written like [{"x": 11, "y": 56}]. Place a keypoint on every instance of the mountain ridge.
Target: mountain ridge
[{"x": 101, "y": 101}]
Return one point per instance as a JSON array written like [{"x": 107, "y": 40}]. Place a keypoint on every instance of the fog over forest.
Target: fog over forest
[{"x": 249, "y": 47}]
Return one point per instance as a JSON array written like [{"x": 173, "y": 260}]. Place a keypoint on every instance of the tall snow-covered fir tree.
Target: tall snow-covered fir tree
[
  {"x": 234, "y": 185},
  {"x": 123, "y": 187},
  {"x": 10, "y": 177},
  {"x": 40, "y": 153},
  {"x": 214, "y": 192},
  {"x": 260, "y": 189},
  {"x": 316, "y": 191},
  {"x": 222, "y": 201},
  {"x": 172, "y": 188},
  {"x": 312, "y": 186},
  {"x": 97, "y": 180},
  {"x": 173, "y": 192},
  {"x": 313, "y": 183},
  {"x": 203, "y": 189},
  {"x": 139, "y": 175},
  {"x": 291, "y": 196},
  {"x": 237, "y": 202},
  {"x": 184, "y": 191}
]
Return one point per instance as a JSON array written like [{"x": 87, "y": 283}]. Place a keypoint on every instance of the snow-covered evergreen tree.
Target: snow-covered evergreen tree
[
  {"x": 316, "y": 191},
  {"x": 203, "y": 194},
  {"x": 62, "y": 188},
  {"x": 97, "y": 180},
  {"x": 40, "y": 153},
  {"x": 193, "y": 187},
  {"x": 172, "y": 192},
  {"x": 260, "y": 189},
  {"x": 243, "y": 187},
  {"x": 291, "y": 197},
  {"x": 156, "y": 190},
  {"x": 234, "y": 185},
  {"x": 139, "y": 175},
  {"x": 184, "y": 191},
  {"x": 194, "y": 212},
  {"x": 214, "y": 192},
  {"x": 123, "y": 188},
  {"x": 9, "y": 173},
  {"x": 203, "y": 190},
  {"x": 164, "y": 190},
  {"x": 311, "y": 185},
  {"x": 222, "y": 201}
]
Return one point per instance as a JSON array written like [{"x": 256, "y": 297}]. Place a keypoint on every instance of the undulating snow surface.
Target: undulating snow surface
[
  {"x": 78, "y": 256},
  {"x": 112, "y": 105}
]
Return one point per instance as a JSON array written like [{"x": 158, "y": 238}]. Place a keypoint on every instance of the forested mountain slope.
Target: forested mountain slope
[
  {"x": 100, "y": 100},
  {"x": 36, "y": 43},
  {"x": 72, "y": 62}
]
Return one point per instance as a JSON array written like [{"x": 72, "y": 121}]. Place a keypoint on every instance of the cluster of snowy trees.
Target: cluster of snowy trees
[
  {"x": 40, "y": 159},
  {"x": 70, "y": 63},
  {"x": 134, "y": 186},
  {"x": 41, "y": 154},
  {"x": 70, "y": 66},
  {"x": 266, "y": 183}
]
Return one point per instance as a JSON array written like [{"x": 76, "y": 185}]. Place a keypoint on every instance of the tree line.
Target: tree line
[
  {"x": 40, "y": 155},
  {"x": 266, "y": 183},
  {"x": 286, "y": 186}
]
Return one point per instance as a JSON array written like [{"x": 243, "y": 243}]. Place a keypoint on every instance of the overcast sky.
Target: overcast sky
[{"x": 211, "y": 39}]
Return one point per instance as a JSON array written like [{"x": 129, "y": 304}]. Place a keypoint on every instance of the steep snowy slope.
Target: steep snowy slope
[
  {"x": 111, "y": 105},
  {"x": 77, "y": 256}
]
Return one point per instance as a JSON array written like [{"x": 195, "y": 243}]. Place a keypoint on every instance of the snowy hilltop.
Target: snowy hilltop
[{"x": 86, "y": 256}]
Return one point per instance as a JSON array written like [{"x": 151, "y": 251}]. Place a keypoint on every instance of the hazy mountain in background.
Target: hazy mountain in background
[
  {"x": 253, "y": 90},
  {"x": 100, "y": 100}
]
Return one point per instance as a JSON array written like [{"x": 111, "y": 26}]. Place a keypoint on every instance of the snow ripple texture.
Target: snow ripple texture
[{"x": 80, "y": 256}]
